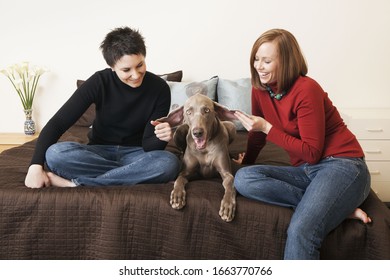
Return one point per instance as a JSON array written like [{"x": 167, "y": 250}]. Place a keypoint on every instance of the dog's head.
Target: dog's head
[{"x": 202, "y": 116}]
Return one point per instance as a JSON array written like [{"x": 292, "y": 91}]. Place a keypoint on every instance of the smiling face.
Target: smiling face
[
  {"x": 131, "y": 69},
  {"x": 266, "y": 62}
]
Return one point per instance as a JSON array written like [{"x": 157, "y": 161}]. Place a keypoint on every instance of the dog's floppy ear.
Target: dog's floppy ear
[
  {"x": 174, "y": 118},
  {"x": 223, "y": 113},
  {"x": 180, "y": 136}
]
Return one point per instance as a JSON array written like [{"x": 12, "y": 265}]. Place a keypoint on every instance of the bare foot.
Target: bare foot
[
  {"x": 58, "y": 181},
  {"x": 360, "y": 215}
]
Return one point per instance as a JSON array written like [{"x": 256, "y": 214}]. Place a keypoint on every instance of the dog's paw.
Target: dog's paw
[
  {"x": 178, "y": 199},
  {"x": 227, "y": 210}
]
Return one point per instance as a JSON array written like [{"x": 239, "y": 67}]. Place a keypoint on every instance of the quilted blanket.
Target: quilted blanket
[{"x": 137, "y": 222}]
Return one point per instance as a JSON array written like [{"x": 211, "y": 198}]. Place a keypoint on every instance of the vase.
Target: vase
[{"x": 29, "y": 124}]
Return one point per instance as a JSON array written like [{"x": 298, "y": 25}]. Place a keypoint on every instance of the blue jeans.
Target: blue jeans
[
  {"x": 322, "y": 195},
  {"x": 98, "y": 165}
]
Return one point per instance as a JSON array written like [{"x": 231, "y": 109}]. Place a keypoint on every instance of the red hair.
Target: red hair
[{"x": 292, "y": 63}]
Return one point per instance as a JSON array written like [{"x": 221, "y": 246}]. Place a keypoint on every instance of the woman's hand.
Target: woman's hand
[
  {"x": 239, "y": 159},
  {"x": 162, "y": 130},
  {"x": 253, "y": 123},
  {"x": 36, "y": 177}
]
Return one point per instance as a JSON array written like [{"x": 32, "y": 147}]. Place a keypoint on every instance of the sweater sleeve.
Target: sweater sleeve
[
  {"x": 310, "y": 115},
  {"x": 256, "y": 140},
  {"x": 65, "y": 117},
  {"x": 150, "y": 141}
]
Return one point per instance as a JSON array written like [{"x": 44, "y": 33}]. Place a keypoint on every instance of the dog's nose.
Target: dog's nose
[{"x": 197, "y": 132}]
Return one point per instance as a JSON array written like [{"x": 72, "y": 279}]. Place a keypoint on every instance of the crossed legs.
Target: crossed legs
[{"x": 72, "y": 164}]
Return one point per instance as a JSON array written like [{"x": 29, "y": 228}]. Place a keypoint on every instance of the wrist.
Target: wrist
[
  {"x": 36, "y": 167},
  {"x": 267, "y": 127}
]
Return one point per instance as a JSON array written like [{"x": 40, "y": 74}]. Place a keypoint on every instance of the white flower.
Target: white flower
[
  {"x": 5, "y": 72},
  {"x": 41, "y": 70},
  {"x": 18, "y": 83},
  {"x": 25, "y": 79}
]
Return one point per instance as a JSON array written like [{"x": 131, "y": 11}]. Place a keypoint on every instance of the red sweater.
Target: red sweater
[{"x": 304, "y": 123}]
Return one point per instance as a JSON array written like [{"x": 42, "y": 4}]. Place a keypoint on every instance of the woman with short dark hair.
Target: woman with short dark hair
[{"x": 126, "y": 146}]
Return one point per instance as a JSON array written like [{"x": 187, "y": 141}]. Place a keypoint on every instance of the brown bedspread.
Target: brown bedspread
[{"x": 137, "y": 222}]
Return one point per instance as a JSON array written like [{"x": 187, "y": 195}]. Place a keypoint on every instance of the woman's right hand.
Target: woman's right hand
[
  {"x": 162, "y": 130},
  {"x": 253, "y": 123},
  {"x": 36, "y": 177}
]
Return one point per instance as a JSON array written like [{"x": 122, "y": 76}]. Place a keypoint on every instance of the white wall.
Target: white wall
[{"x": 346, "y": 43}]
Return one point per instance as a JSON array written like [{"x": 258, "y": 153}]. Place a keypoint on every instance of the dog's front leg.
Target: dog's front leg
[
  {"x": 178, "y": 194},
  {"x": 228, "y": 203}
]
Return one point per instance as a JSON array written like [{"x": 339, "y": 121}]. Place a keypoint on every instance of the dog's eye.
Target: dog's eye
[
  {"x": 206, "y": 110},
  {"x": 188, "y": 112}
]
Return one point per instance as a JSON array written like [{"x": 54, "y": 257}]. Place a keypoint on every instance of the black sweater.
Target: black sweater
[{"x": 123, "y": 113}]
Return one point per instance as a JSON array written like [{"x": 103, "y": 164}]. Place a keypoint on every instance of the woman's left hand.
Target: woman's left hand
[
  {"x": 239, "y": 158},
  {"x": 162, "y": 130}
]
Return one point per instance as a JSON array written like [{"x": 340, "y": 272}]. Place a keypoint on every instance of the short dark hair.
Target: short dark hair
[
  {"x": 292, "y": 62},
  {"x": 122, "y": 41}
]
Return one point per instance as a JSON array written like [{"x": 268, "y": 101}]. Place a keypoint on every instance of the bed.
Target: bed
[{"x": 137, "y": 222}]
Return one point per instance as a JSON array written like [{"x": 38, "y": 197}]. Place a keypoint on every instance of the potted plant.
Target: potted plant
[{"x": 24, "y": 78}]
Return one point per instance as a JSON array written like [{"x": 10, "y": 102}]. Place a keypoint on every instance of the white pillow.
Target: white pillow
[
  {"x": 235, "y": 95},
  {"x": 180, "y": 91}
]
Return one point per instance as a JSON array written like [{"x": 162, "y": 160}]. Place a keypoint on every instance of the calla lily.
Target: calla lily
[
  {"x": 4, "y": 72},
  {"x": 24, "y": 79}
]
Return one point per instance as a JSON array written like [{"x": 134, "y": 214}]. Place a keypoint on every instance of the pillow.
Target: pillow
[
  {"x": 173, "y": 77},
  {"x": 180, "y": 91},
  {"x": 88, "y": 117},
  {"x": 79, "y": 83},
  {"x": 235, "y": 95}
]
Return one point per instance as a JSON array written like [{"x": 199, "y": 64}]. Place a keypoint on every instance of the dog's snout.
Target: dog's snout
[{"x": 198, "y": 132}]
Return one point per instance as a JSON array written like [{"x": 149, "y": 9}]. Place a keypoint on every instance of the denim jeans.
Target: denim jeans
[
  {"x": 322, "y": 195},
  {"x": 98, "y": 165}
]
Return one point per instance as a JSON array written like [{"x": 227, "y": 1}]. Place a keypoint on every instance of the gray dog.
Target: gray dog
[{"x": 204, "y": 137}]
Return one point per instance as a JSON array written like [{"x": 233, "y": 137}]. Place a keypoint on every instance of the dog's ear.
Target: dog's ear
[
  {"x": 223, "y": 113},
  {"x": 180, "y": 136},
  {"x": 174, "y": 118}
]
